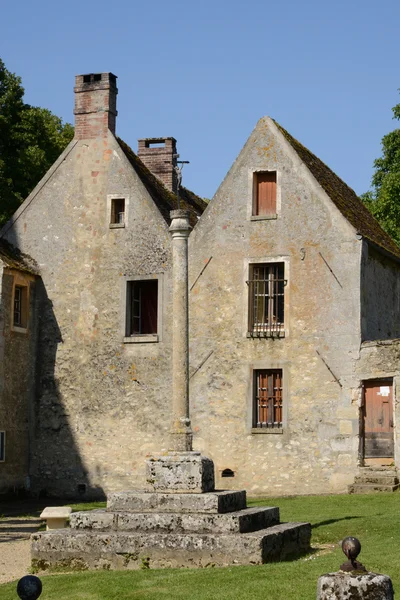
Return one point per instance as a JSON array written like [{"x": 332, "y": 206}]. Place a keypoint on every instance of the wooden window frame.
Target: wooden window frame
[
  {"x": 268, "y": 404},
  {"x": 129, "y": 335},
  {"x": 255, "y": 210},
  {"x": 112, "y": 200},
  {"x": 266, "y": 299},
  {"x": 117, "y": 217},
  {"x": 2, "y": 446},
  {"x": 20, "y": 306}
]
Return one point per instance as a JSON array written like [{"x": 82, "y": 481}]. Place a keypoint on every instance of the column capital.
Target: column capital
[{"x": 180, "y": 225}]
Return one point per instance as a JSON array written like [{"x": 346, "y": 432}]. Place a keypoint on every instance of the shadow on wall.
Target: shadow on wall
[{"x": 56, "y": 467}]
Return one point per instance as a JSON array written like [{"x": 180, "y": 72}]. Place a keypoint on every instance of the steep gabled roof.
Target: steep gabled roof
[
  {"x": 15, "y": 259},
  {"x": 163, "y": 198},
  {"x": 344, "y": 198}
]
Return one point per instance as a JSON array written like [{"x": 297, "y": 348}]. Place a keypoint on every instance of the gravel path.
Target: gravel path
[{"x": 15, "y": 546}]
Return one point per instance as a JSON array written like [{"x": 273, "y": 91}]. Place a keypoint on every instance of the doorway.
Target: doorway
[{"x": 378, "y": 431}]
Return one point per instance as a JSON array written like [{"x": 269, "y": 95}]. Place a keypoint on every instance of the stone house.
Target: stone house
[{"x": 293, "y": 287}]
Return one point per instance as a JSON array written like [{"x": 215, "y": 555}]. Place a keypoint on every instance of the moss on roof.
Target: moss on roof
[
  {"x": 163, "y": 198},
  {"x": 345, "y": 199},
  {"x": 15, "y": 259}
]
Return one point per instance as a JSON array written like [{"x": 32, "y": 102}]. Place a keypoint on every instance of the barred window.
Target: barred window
[
  {"x": 268, "y": 399},
  {"x": 267, "y": 299}
]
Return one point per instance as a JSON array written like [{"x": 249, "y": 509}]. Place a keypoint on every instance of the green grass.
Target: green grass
[{"x": 374, "y": 519}]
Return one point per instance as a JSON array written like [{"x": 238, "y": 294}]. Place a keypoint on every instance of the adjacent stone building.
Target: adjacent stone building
[{"x": 290, "y": 279}]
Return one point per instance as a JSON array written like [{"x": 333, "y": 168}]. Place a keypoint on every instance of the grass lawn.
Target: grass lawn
[{"x": 374, "y": 519}]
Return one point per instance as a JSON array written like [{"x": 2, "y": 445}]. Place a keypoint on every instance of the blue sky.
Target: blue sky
[{"x": 205, "y": 72}]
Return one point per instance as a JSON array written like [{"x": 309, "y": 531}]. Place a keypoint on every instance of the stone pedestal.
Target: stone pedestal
[
  {"x": 353, "y": 586},
  {"x": 180, "y": 472}
]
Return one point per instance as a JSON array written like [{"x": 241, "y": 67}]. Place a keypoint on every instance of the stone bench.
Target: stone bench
[{"x": 56, "y": 516}]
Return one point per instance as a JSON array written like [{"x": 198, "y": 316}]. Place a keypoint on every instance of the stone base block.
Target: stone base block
[
  {"x": 184, "y": 472},
  {"x": 130, "y": 550},
  {"x": 368, "y": 586},
  {"x": 212, "y": 502},
  {"x": 243, "y": 521}
]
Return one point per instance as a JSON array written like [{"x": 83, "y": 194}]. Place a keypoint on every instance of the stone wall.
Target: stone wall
[
  {"x": 317, "y": 449},
  {"x": 101, "y": 404},
  {"x": 17, "y": 383},
  {"x": 380, "y": 295}
]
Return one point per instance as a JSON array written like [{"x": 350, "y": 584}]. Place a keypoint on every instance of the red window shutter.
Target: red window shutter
[{"x": 266, "y": 193}]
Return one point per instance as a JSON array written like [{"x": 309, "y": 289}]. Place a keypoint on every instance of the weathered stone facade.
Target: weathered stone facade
[
  {"x": 102, "y": 398},
  {"x": 17, "y": 372}
]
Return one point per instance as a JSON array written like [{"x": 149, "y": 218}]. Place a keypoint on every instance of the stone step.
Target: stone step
[
  {"x": 211, "y": 502},
  {"x": 381, "y": 479},
  {"x": 370, "y": 488},
  {"x": 75, "y": 549},
  {"x": 388, "y": 468},
  {"x": 243, "y": 521}
]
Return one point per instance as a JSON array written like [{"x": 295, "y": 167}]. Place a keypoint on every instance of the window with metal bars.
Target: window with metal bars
[
  {"x": 267, "y": 299},
  {"x": 268, "y": 399},
  {"x": 142, "y": 305}
]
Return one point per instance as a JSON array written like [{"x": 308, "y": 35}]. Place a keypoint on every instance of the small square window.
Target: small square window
[
  {"x": 142, "y": 304},
  {"x": 264, "y": 193},
  {"x": 2, "y": 446},
  {"x": 20, "y": 306},
  {"x": 267, "y": 399},
  {"x": 267, "y": 300},
  {"x": 118, "y": 212}
]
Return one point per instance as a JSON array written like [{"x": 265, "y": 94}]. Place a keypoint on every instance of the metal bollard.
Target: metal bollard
[
  {"x": 353, "y": 580},
  {"x": 29, "y": 587}
]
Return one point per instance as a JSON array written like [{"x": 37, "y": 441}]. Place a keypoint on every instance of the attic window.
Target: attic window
[
  {"x": 97, "y": 77},
  {"x": 118, "y": 212},
  {"x": 264, "y": 194}
]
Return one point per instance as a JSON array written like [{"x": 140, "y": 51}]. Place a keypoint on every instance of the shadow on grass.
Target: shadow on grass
[{"x": 330, "y": 521}]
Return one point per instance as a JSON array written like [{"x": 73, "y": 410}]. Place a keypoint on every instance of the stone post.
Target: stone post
[
  {"x": 181, "y": 432},
  {"x": 353, "y": 581}
]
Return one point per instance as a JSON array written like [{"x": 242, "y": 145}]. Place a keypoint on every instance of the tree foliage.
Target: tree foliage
[
  {"x": 31, "y": 139},
  {"x": 383, "y": 200}
]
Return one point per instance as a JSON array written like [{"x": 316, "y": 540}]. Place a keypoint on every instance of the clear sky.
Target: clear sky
[{"x": 205, "y": 72}]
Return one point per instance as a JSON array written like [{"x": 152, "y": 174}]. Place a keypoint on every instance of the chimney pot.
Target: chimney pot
[
  {"x": 95, "y": 105},
  {"x": 159, "y": 155}
]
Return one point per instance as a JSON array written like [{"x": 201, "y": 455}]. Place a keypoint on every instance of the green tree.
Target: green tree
[
  {"x": 31, "y": 139},
  {"x": 383, "y": 200}
]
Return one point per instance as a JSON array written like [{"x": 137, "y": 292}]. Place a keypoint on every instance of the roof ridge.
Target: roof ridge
[{"x": 343, "y": 196}]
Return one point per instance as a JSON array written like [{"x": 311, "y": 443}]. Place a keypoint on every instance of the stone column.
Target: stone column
[
  {"x": 181, "y": 432},
  {"x": 180, "y": 470}
]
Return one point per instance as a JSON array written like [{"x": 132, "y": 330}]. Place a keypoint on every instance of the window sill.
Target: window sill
[
  {"x": 141, "y": 339},
  {"x": 117, "y": 225},
  {"x": 265, "y": 334},
  {"x": 267, "y": 430},
  {"x": 263, "y": 217},
  {"x": 19, "y": 329}
]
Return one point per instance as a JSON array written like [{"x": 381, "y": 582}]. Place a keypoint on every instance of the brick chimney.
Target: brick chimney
[
  {"x": 159, "y": 155},
  {"x": 95, "y": 105}
]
